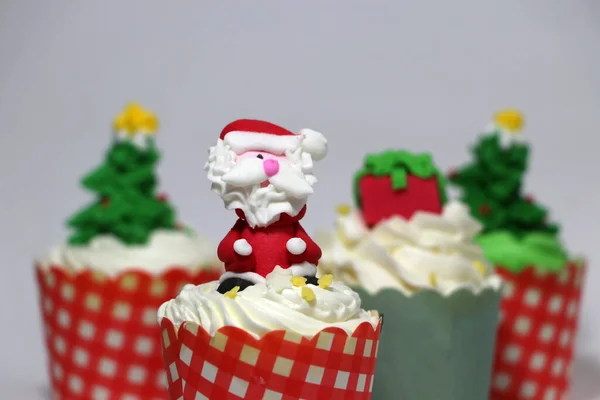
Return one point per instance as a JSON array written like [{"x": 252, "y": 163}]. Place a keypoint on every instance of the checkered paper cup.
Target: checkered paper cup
[
  {"x": 435, "y": 347},
  {"x": 232, "y": 364},
  {"x": 101, "y": 333},
  {"x": 536, "y": 335}
]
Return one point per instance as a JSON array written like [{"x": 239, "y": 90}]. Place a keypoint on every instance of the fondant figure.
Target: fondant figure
[{"x": 264, "y": 173}]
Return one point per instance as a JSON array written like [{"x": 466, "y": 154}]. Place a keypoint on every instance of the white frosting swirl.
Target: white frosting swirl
[
  {"x": 428, "y": 251},
  {"x": 275, "y": 304},
  {"x": 108, "y": 254}
]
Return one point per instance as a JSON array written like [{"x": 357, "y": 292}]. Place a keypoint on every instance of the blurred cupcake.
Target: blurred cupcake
[
  {"x": 99, "y": 292},
  {"x": 422, "y": 270},
  {"x": 280, "y": 338},
  {"x": 542, "y": 291}
]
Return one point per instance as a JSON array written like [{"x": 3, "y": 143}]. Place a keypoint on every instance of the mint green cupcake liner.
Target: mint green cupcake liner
[{"x": 434, "y": 347}]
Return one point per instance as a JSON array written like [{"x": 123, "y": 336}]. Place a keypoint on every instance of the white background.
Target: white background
[{"x": 420, "y": 75}]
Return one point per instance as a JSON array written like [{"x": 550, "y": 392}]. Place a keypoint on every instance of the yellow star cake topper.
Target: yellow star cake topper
[
  {"x": 510, "y": 120},
  {"x": 135, "y": 119}
]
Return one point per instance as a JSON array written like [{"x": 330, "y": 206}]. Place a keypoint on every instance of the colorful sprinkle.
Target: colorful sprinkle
[
  {"x": 480, "y": 267},
  {"x": 308, "y": 294},
  {"x": 232, "y": 294},
  {"x": 433, "y": 279},
  {"x": 298, "y": 281},
  {"x": 343, "y": 209},
  {"x": 325, "y": 281}
]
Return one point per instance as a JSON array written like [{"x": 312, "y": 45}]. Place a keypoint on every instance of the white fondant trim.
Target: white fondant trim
[
  {"x": 242, "y": 247},
  {"x": 121, "y": 134},
  {"x": 296, "y": 246},
  {"x": 491, "y": 127},
  {"x": 314, "y": 143},
  {"x": 248, "y": 276},
  {"x": 303, "y": 269},
  {"x": 140, "y": 140},
  {"x": 240, "y": 142}
]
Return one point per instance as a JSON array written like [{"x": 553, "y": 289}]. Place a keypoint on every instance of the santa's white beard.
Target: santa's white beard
[{"x": 239, "y": 184}]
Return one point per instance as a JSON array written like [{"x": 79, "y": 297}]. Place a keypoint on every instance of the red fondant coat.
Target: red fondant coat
[{"x": 268, "y": 246}]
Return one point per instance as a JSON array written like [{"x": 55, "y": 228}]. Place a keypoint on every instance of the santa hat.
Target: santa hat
[{"x": 255, "y": 135}]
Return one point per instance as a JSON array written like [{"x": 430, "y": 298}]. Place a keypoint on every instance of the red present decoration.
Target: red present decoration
[
  {"x": 536, "y": 335},
  {"x": 398, "y": 183},
  {"x": 380, "y": 201},
  {"x": 101, "y": 332},
  {"x": 233, "y": 365}
]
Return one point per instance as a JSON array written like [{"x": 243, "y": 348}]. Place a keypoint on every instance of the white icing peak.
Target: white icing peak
[
  {"x": 106, "y": 253},
  {"x": 276, "y": 304},
  {"x": 429, "y": 251},
  {"x": 506, "y": 137}
]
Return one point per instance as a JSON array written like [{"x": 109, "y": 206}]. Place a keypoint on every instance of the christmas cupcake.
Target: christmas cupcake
[
  {"x": 99, "y": 292},
  {"x": 542, "y": 293},
  {"x": 409, "y": 253},
  {"x": 280, "y": 338},
  {"x": 268, "y": 328}
]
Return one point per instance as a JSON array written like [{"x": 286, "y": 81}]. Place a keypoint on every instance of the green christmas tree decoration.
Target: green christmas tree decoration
[
  {"x": 126, "y": 204},
  {"x": 515, "y": 226}
]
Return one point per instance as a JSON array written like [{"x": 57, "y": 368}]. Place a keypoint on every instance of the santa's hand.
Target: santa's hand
[
  {"x": 296, "y": 246},
  {"x": 242, "y": 247}
]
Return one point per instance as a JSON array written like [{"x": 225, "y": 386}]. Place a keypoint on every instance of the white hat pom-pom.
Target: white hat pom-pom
[{"x": 314, "y": 143}]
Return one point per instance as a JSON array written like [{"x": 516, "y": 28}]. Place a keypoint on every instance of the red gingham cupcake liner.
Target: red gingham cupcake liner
[
  {"x": 536, "y": 334},
  {"x": 101, "y": 333},
  {"x": 233, "y": 365}
]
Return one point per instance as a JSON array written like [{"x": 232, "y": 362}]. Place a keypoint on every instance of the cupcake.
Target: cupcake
[
  {"x": 542, "y": 292},
  {"x": 421, "y": 268},
  {"x": 268, "y": 328},
  {"x": 127, "y": 254},
  {"x": 281, "y": 338}
]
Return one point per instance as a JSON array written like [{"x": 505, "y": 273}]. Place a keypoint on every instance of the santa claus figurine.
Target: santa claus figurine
[{"x": 264, "y": 173}]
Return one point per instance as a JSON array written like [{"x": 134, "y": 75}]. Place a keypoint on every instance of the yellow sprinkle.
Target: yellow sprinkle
[
  {"x": 308, "y": 294},
  {"x": 298, "y": 281},
  {"x": 325, "y": 281},
  {"x": 435, "y": 249},
  {"x": 343, "y": 209},
  {"x": 510, "y": 120},
  {"x": 432, "y": 279},
  {"x": 232, "y": 294},
  {"x": 480, "y": 267},
  {"x": 344, "y": 239}
]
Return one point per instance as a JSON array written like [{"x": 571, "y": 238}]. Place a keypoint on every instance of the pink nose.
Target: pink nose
[{"x": 271, "y": 167}]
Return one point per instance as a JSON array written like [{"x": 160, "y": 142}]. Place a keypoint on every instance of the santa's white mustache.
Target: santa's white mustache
[{"x": 283, "y": 176}]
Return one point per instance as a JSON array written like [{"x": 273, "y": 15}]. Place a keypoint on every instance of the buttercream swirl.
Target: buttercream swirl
[
  {"x": 428, "y": 251},
  {"x": 106, "y": 253},
  {"x": 276, "y": 304}
]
